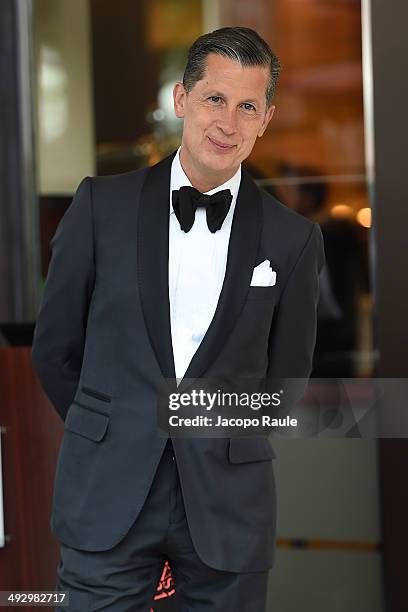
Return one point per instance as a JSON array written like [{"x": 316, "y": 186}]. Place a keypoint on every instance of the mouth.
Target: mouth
[{"x": 220, "y": 146}]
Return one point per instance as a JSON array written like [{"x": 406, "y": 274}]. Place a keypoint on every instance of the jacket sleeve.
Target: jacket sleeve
[
  {"x": 59, "y": 335},
  {"x": 293, "y": 335}
]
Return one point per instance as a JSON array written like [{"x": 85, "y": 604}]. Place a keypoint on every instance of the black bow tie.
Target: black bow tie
[{"x": 187, "y": 199}]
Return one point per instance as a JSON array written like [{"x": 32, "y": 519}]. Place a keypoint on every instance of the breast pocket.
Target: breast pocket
[{"x": 262, "y": 293}]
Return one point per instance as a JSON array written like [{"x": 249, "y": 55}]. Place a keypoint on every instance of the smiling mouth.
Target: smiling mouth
[{"x": 220, "y": 145}]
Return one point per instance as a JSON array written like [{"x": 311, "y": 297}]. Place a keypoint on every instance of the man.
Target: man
[{"x": 151, "y": 281}]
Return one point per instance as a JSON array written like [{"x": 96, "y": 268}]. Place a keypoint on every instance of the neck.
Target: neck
[{"x": 196, "y": 177}]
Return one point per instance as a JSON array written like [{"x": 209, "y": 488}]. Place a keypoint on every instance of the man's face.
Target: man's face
[{"x": 223, "y": 114}]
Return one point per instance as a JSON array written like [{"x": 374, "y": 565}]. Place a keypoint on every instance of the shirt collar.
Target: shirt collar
[{"x": 178, "y": 178}]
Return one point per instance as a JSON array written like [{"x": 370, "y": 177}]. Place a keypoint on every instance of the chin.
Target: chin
[{"x": 212, "y": 162}]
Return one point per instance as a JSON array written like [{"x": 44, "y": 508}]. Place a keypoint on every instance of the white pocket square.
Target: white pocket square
[{"x": 263, "y": 275}]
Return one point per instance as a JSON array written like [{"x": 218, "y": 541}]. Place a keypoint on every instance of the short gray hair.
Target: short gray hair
[{"x": 242, "y": 45}]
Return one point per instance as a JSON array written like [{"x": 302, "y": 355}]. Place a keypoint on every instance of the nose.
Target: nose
[{"x": 227, "y": 122}]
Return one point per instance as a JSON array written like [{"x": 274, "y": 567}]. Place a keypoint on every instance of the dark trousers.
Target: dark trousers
[{"x": 124, "y": 578}]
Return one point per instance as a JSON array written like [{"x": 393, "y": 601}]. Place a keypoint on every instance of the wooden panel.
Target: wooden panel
[
  {"x": 30, "y": 446},
  {"x": 389, "y": 53}
]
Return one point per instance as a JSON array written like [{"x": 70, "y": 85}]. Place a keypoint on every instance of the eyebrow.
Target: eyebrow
[{"x": 221, "y": 95}]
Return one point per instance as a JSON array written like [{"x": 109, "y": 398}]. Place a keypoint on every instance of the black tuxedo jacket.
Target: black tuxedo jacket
[{"x": 102, "y": 346}]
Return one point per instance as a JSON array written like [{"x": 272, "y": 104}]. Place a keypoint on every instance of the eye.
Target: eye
[
  {"x": 249, "y": 107},
  {"x": 215, "y": 99}
]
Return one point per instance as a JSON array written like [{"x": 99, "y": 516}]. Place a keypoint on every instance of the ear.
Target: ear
[
  {"x": 179, "y": 98},
  {"x": 267, "y": 118}
]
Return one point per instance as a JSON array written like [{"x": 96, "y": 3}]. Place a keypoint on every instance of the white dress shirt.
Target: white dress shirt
[{"x": 197, "y": 264}]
